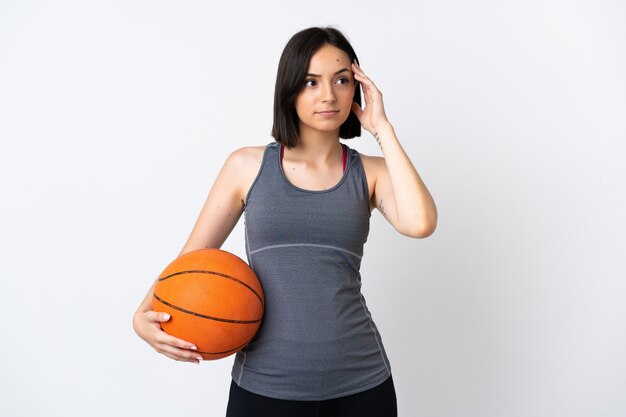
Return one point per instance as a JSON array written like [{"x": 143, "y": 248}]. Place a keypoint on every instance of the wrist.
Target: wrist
[{"x": 382, "y": 128}]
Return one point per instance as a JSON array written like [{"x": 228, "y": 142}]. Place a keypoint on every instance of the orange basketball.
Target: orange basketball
[{"x": 215, "y": 301}]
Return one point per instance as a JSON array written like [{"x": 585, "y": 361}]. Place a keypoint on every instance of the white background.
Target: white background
[{"x": 116, "y": 116}]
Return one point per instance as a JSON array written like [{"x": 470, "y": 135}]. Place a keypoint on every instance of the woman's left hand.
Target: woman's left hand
[{"x": 373, "y": 115}]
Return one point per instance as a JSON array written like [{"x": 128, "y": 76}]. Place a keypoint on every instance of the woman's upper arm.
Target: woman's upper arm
[
  {"x": 382, "y": 196},
  {"x": 223, "y": 206}
]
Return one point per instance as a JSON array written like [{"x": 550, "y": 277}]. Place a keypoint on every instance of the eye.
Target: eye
[{"x": 343, "y": 79}]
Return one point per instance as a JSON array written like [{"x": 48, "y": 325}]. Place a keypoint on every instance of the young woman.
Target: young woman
[{"x": 307, "y": 200}]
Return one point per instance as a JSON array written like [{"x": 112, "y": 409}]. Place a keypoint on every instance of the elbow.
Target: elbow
[
  {"x": 421, "y": 231},
  {"x": 429, "y": 230}
]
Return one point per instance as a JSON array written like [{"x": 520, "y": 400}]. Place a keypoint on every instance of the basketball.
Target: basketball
[{"x": 214, "y": 299}]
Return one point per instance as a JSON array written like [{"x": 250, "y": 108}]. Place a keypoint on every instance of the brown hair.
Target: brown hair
[{"x": 292, "y": 70}]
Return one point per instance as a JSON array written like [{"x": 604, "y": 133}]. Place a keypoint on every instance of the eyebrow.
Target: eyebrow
[{"x": 337, "y": 72}]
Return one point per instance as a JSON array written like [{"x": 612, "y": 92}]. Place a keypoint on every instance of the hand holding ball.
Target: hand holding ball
[{"x": 215, "y": 301}]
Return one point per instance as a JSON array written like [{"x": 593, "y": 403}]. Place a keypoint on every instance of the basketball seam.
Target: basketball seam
[
  {"x": 201, "y": 271},
  {"x": 193, "y": 313},
  {"x": 226, "y": 351}
]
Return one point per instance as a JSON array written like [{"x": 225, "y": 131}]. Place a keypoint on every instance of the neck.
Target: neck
[{"x": 317, "y": 147}]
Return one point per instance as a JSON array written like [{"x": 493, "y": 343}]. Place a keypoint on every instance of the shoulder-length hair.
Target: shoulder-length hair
[{"x": 292, "y": 70}]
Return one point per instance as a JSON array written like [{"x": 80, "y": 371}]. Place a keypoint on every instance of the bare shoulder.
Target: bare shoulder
[
  {"x": 246, "y": 156},
  {"x": 246, "y": 162},
  {"x": 372, "y": 166}
]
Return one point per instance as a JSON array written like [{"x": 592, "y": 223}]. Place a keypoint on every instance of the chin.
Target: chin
[{"x": 328, "y": 126}]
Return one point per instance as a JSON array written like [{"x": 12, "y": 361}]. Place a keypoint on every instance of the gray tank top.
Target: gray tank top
[{"x": 317, "y": 340}]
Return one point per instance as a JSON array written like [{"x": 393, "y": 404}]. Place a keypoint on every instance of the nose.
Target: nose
[{"x": 328, "y": 95}]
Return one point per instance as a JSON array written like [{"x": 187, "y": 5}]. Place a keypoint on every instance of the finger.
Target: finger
[
  {"x": 168, "y": 339},
  {"x": 365, "y": 81},
  {"x": 157, "y": 316},
  {"x": 359, "y": 74},
  {"x": 358, "y": 71},
  {"x": 177, "y": 353},
  {"x": 362, "y": 77},
  {"x": 179, "y": 357},
  {"x": 164, "y": 338}
]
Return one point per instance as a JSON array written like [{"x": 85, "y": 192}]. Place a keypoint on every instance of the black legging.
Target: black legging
[{"x": 379, "y": 401}]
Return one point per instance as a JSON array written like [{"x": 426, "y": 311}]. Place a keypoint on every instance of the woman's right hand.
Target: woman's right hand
[
  {"x": 218, "y": 217},
  {"x": 147, "y": 326}
]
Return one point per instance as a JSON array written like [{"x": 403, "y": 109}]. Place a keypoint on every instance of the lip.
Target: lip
[{"x": 328, "y": 113}]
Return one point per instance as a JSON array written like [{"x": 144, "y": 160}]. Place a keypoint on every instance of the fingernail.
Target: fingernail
[
  {"x": 166, "y": 316},
  {"x": 199, "y": 359},
  {"x": 193, "y": 348}
]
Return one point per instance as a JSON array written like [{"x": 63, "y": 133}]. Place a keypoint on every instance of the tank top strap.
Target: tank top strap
[{"x": 271, "y": 178}]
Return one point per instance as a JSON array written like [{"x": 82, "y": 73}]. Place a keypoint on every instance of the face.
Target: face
[{"x": 329, "y": 85}]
